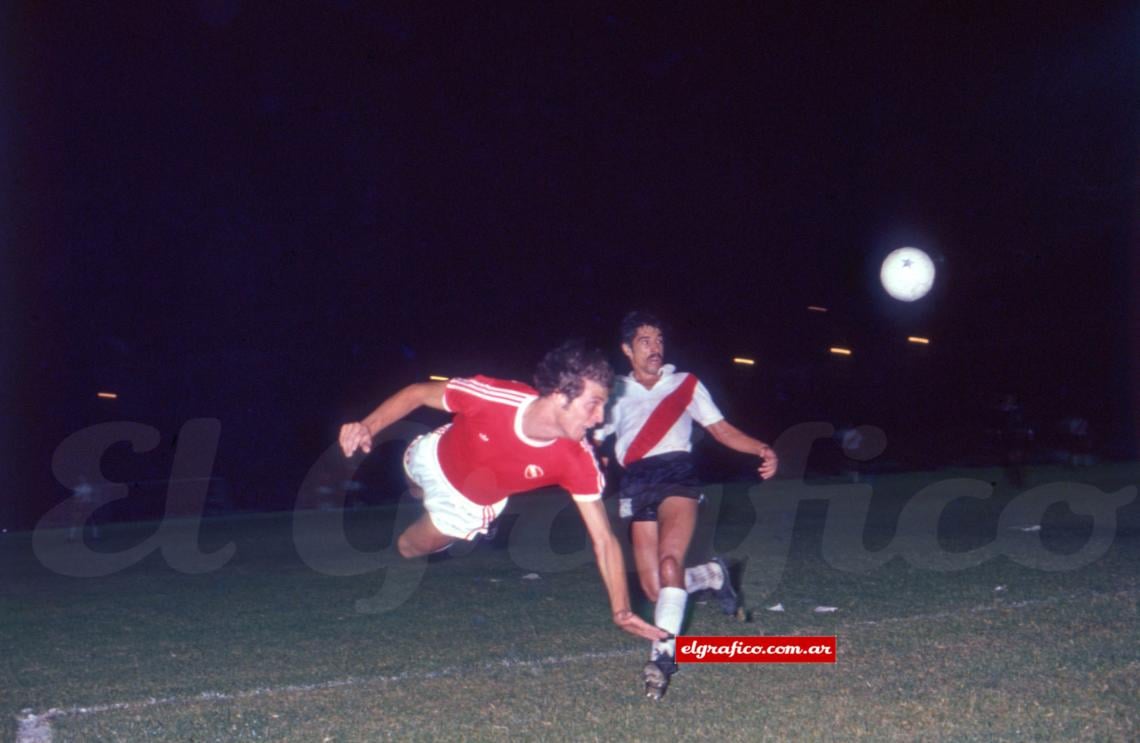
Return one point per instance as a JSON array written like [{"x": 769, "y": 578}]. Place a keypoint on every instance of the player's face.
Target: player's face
[
  {"x": 646, "y": 353},
  {"x": 584, "y": 411}
]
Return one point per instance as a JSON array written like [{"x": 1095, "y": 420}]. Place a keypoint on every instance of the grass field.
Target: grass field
[{"x": 296, "y": 643}]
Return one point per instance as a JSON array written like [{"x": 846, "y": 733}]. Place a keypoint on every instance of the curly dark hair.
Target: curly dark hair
[
  {"x": 636, "y": 319},
  {"x": 566, "y": 368}
]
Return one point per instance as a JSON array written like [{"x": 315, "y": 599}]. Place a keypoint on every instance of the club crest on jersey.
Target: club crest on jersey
[{"x": 533, "y": 472}]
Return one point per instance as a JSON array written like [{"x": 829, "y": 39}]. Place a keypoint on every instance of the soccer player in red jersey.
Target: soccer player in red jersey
[
  {"x": 508, "y": 437},
  {"x": 652, "y": 418}
]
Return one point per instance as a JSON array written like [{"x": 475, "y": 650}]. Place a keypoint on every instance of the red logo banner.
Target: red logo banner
[{"x": 710, "y": 649}]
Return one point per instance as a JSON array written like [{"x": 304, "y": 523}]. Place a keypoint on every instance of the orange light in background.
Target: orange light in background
[
  {"x": 743, "y": 361},
  {"x": 437, "y": 378},
  {"x": 840, "y": 351},
  {"x": 107, "y": 395},
  {"x": 816, "y": 308},
  {"x": 918, "y": 339}
]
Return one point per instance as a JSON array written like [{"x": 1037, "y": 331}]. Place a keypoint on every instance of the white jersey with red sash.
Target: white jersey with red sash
[
  {"x": 659, "y": 420},
  {"x": 486, "y": 456}
]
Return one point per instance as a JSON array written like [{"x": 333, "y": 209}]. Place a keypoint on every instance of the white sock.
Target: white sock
[
  {"x": 669, "y": 615},
  {"x": 700, "y": 577}
]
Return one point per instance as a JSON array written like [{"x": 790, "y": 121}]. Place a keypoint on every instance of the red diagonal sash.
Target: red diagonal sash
[{"x": 667, "y": 412}]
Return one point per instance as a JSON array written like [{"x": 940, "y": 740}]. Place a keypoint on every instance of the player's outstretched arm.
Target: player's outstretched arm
[
  {"x": 611, "y": 565},
  {"x": 737, "y": 440},
  {"x": 359, "y": 435}
]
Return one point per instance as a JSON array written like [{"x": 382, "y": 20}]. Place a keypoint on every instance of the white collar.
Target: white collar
[
  {"x": 519, "y": 425},
  {"x": 664, "y": 371}
]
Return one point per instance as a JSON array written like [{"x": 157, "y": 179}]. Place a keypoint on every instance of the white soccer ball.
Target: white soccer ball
[{"x": 907, "y": 274}]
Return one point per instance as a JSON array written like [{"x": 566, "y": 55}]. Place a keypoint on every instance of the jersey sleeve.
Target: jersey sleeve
[
  {"x": 464, "y": 394},
  {"x": 702, "y": 407},
  {"x": 455, "y": 394},
  {"x": 583, "y": 480}
]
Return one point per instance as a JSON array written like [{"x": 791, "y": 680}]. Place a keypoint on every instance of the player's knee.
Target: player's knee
[
  {"x": 406, "y": 547},
  {"x": 670, "y": 570}
]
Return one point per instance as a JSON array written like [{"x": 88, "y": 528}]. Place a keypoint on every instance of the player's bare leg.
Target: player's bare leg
[
  {"x": 422, "y": 538},
  {"x": 713, "y": 576},
  {"x": 676, "y": 521},
  {"x": 643, "y": 534},
  {"x": 649, "y": 556}
]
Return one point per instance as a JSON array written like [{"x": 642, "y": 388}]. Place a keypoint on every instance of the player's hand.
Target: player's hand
[
  {"x": 355, "y": 436},
  {"x": 635, "y": 625},
  {"x": 769, "y": 462}
]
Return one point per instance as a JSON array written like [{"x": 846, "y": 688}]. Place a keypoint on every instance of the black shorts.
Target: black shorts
[{"x": 647, "y": 482}]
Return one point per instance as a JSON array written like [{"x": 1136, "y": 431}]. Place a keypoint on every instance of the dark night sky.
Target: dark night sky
[{"x": 275, "y": 216}]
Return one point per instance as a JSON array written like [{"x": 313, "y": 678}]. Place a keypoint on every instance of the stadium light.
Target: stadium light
[
  {"x": 816, "y": 308},
  {"x": 741, "y": 361},
  {"x": 839, "y": 351},
  {"x": 437, "y": 378},
  {"x": 107, "y": 395},
  {"x": 918, "y": 339}
]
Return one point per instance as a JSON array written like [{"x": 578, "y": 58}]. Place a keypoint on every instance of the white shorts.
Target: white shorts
[{"x": 449, "y": 510}]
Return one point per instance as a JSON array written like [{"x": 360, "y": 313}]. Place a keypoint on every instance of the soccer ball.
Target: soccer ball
[{"x": 907, "y": 274}]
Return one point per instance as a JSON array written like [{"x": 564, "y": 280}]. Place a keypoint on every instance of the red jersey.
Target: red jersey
[{"x": 487, "y": 457}]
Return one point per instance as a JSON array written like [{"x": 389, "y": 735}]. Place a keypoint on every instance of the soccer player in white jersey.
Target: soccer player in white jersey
[
  {"x": 652, "y": 418},
  {"x": 507, "y": 437}
]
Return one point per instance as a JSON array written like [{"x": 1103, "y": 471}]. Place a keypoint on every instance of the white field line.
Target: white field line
[
  {"x": 33, "y": 727},
  {"x": 36, "y": 727}
]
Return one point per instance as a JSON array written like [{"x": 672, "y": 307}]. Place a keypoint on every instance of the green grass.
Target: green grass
[{"x": 477, "y": 652}]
